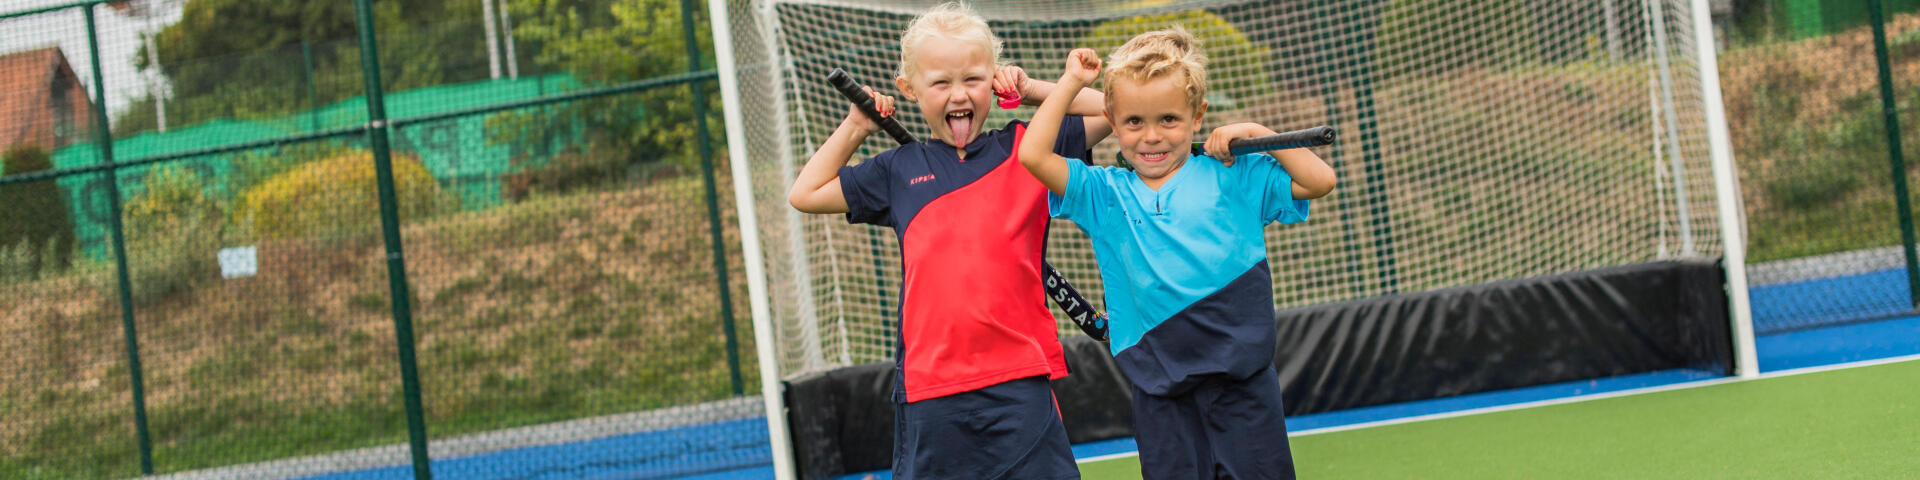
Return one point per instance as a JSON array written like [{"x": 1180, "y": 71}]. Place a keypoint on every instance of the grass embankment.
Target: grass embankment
[
  {"x": 551, "y": 309},
  {"x": 1809, "y": 139}
]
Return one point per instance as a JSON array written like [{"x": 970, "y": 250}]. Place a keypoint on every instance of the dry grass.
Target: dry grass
[
  {"x": 545, "y": 295},
  {"x": 1817, "y": 75}
]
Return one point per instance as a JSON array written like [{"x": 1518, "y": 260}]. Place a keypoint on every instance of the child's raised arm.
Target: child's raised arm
[
  {"x": 1036, "y": 147},
  {"x": 1090, "y": 104},
  {"x": 817, "y": 190},
  {"x": 1312, "y": 178}
]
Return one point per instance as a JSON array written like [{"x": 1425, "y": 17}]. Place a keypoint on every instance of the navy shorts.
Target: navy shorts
[
  {"x": 1007, "y": 431},
  {"x": 1222, "y": 428}
]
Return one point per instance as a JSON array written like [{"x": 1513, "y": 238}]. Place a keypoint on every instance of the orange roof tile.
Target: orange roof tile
[{"x": 26, "y": 79}]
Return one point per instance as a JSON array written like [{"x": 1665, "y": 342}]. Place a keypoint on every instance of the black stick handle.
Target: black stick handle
[
  {"x": 851, "y": 89},
  {"x": 1312, "y": 137},
  {"x": 1072, "y": 303}
]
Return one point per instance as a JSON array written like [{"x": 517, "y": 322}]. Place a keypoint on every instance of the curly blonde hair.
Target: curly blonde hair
[
  {"x": 1160, "y": 53},
  {"x": 953, "y": 19}
]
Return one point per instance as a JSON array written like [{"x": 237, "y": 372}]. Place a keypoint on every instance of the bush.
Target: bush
[
  {"x": 20, "y": 262},
  {"x": 253, "y": 167},
  {"x": 336, "y": 196},
  {"x": 173, "y": 235},
  {"x": 1821, "y": 165},
  {"x": 571, "y": 169},
  {"x": 174, "y": 196},
  {"x": 1813, "y": 185},
  {"x": 38, "y": 224}
]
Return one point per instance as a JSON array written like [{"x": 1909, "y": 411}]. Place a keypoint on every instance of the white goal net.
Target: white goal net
[{"x": 1480, "y": 141}]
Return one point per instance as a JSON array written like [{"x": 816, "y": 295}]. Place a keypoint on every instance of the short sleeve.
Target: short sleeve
[
  {"x": 867, "y": 188},
  {"x": 1072, "y": 142},
  {"x": 1265, "y": 175},
  {"x": 1084, "y": 185}
]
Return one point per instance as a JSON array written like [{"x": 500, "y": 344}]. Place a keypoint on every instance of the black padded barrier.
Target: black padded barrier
[{"x": 1398, "y": 348}]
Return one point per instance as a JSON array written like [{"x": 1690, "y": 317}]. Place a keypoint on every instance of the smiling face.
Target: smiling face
[
  {"x": 952, "y": 81},
  {"x": 1155, "y": 125}
]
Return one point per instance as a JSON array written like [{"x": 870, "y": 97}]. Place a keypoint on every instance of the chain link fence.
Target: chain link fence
[
  {"x": 1805, "y": 109},
  {"x": 196, "y": 279},
  {"x": 214, "y": 293}
]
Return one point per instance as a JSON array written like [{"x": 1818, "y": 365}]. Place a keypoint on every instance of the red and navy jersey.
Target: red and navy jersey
[{"x": 972, "y": 234}]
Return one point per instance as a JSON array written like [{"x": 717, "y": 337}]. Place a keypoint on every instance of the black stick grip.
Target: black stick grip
[
  {"x": 1312, "y": 137},
  {"x": 1075, "y": 306},
  {"x": 851, "y": 89}
]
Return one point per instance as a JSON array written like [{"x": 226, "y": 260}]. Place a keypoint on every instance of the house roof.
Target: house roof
[{"x": 25, "y": 78}]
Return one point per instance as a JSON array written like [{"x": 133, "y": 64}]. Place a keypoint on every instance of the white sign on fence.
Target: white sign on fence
[{"x": 238, "y": 262}]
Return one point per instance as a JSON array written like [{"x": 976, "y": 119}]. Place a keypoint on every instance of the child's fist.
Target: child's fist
[
  {"x": 1010, "y": 84},
  {"x": 881, "y": 103},
  {"x": 1217, "y": 142},
  {"x": 1083, "y": 65}
]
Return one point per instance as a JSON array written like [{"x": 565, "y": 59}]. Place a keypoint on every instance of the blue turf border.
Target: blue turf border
[
  {"x": 738, "y": 449},
  {"x": 1841, "y": 344},
  {"x": 701, "y": 450},
  {"x": 1825, "y": 301}
]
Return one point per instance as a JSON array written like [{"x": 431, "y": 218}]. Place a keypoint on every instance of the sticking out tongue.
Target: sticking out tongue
[{"x": 962, "y": 128}]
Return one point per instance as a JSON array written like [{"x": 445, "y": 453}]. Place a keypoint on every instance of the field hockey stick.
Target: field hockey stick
[
  {"x": 1062, "y": 293},
  {"x": 851, "y": 89},
  {"x": 1311, "y": 137}
]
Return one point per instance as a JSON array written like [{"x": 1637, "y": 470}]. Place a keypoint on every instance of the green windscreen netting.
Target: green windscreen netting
[{"x": 571, "y": 277}]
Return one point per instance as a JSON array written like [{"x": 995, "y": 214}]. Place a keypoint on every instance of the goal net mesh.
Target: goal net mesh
[{"x": 1480, "y": 141}]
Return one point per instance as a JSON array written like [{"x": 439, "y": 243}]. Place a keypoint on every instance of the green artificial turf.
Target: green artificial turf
[{"x": 1852, "y": 423}]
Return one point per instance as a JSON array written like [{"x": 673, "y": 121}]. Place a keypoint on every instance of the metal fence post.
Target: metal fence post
[
  {"x": 713, "y": 198},
  {"x": 1372, "y": 164},
  {"x": 313, "y": 101},
  {"x": 1899, "y": 164},
  {"x": 104, "y": 135},
  {"x": 390, "y": 227}
]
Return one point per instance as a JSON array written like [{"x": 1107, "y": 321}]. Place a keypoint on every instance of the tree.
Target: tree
[
  {"x": 245, "y": 59},
  {"x": 35, "y": 214},
  {"x": 610, "y": 42}
]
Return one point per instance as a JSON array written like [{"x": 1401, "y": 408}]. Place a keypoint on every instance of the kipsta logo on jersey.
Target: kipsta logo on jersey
[{"x": 919, "y": 179}]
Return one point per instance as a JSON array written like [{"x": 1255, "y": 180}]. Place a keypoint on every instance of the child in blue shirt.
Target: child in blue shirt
[{"x": 1182, "y": 253}]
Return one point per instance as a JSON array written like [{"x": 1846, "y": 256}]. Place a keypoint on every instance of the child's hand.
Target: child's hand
[
  {"x": 1010, "y": 84},
  {"x": 856, "y": 118},
  {"x": 1216, "y": 145},
  {"x": 1083, "y": 65}
]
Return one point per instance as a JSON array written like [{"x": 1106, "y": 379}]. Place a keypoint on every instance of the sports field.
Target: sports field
[
  {"x": 1846, "y": 423},
  {"x": 1836, "y": 402}
]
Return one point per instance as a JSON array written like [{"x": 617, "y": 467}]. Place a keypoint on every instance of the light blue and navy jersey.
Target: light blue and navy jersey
[{"x": 1188, "y": 288}]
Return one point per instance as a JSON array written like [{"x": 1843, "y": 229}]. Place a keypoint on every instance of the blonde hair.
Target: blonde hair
[
  {"x": 1160, "y": 53},
  {"x": 953, "y": 19}
]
